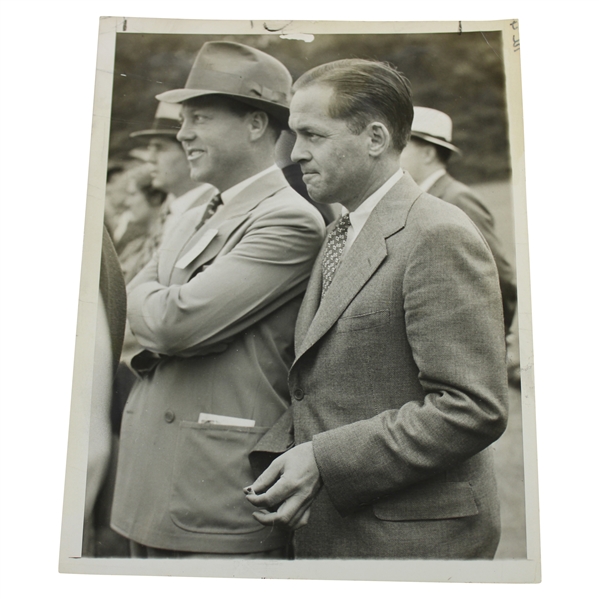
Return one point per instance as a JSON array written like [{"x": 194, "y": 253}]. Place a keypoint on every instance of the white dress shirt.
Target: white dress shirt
[{"x": 360, "y": 215}]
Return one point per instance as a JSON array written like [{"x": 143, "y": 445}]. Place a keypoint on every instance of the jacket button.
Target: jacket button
[
  {"x": 298, "y": 394},
  {"x": 169, "y": 416}
]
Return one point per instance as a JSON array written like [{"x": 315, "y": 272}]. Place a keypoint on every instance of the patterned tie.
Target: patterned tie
[
  {"x": 334, "y": 250},
  {"x": 211, "y": 208}
]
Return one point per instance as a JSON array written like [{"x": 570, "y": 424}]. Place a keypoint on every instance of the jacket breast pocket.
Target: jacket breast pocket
[
  {"x": 210, "y": 471},
  {"x": 438, "y": 501},
  {"x": 358, "y": 322}
]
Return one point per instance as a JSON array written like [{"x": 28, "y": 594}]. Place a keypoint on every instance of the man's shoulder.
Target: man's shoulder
[
  {"x": 451, "y": 190},
  {"x": 430, "y": 214},
  {"x": 286, "y": 203}
]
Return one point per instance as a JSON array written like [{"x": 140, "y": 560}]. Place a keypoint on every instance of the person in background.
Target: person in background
[
  {"x": 116, "y": 217},
  {"x": 170, "y": 173},
  {"x": 215, "y": 311},
  {"x": 144, "y": 203},
  {"x": 399, "y": 384},
  {"x": 426, "y": 157}
]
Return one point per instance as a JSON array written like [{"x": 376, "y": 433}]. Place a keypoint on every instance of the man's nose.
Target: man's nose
[
  {"x": 152, "y": 154},
  {"x": 185, "y": 133},
  {"x": 299, "y": 152}
]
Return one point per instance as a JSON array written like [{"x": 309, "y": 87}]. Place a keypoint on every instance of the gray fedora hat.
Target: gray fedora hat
[{"x": 241, "y": 72}]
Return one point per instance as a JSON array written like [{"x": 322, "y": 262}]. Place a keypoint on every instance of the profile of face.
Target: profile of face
[
  {"x": 414, "y": 159},
  {"x": 334, "y": 161},
  {"x": 169, "y": 163},
  {"x": 214, "y": 138},
  {"x": 116, "y": 192},
  {"x": 142, "y": 199}
]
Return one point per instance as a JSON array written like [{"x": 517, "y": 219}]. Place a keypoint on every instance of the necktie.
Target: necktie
[
  {"x": 334, "y": 250},
  {"x": 211, "y": 208}
]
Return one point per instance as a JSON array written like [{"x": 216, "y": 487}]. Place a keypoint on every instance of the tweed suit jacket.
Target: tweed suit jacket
[
  {"x": 399, "y": 381},
  {"x": 460, "y": 195},
  {"x": 216, "y": 314}
]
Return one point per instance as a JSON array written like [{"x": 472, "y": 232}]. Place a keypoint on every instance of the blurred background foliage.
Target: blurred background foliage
[{"x": 460, "y": 74}]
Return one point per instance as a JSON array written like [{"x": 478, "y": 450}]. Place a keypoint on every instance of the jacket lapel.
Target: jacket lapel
[
  {"x": 360, "y": 262},
  {"x": 225, "y": 222}
]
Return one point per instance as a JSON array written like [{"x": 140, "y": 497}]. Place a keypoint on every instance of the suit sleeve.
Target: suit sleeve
[
  {"x": 267, "y": 267},
  {"x": 480, "y": 216},
  {"x": 454, "y": 328}
]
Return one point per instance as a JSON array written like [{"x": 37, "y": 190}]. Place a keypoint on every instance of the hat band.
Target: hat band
[
  {"x": 168, "y": 124},
  {"x": 228, "y": 83}
]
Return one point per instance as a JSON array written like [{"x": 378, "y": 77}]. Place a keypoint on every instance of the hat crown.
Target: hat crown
[
  {"x": 241, "y": 72},
  {"x": 434, "y": 123},
  {"x": 228, "y": 67},
  {"x": 168, "y": 111}
]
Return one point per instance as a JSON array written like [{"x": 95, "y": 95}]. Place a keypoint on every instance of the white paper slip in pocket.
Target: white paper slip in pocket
[
  {"x": 197, "y": 249},
  {"x": 225, "y": 420}
]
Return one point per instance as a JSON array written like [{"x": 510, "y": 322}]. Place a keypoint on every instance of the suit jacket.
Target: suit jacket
[
  {"x": 216, "y": 315},
  {"x": 399, "y": 381},
  {"x": 460, "y": 195}
]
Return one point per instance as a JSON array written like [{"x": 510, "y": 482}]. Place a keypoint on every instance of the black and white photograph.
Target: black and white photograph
[
  {"x": 84, "y": 140},
  {"x": 303, "y": 349}
]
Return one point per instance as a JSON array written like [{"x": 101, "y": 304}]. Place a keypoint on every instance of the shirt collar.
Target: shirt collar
[
  {"x": 359, "y": 216},
  {"x": 183, "y": 202},
  {"x": 432, "y": 179},
  {"x": 230, "y": 193}
]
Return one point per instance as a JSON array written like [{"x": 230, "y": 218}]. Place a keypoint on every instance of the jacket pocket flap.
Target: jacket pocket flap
[
  {"x": 357, "y": 322},
  {"x": 437, "y": 501}
]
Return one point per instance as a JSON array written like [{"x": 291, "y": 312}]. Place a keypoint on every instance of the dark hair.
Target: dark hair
[
  {"x": 366, "y": 90},
  {"x": 239, "y": 108}
]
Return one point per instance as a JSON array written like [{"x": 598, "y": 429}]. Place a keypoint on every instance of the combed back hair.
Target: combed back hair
[{"x": 366, "y": 91}]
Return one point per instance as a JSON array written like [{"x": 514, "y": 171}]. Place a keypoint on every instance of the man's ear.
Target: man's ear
[
  {"x": 429, "y": 154},
  {"x": 258, "y": 122},
  {"x": 379, "y": 138}
]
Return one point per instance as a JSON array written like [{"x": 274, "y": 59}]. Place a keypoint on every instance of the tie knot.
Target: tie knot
[
  {"x": 214, "y": 203},
  {"x": 211, "y": 208},
  {"x": 343, "y": 223}
]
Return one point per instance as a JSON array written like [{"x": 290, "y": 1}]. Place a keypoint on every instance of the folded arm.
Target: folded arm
[{"x": 270, "y": 264}]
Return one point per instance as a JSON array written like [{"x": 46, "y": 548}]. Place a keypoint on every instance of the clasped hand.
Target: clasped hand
[{"x": 286, "y": 489}]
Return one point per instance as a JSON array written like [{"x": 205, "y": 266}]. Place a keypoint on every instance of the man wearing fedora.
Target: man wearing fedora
[
  {"x": 425, "y": 158},
  {"x": 215, "y": 311},
  {"x": 170, "y": 172},
  {"x": 399, "y": 383}
]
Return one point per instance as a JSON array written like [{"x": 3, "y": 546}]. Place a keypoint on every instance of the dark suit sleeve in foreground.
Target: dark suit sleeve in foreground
[{"x": 454, "y": 328}]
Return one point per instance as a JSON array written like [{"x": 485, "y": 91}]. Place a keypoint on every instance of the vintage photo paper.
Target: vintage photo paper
[{"x": 468, "y": 70}]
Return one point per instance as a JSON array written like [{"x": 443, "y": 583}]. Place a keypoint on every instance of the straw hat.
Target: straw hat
[{"x": 433, "y": 126}]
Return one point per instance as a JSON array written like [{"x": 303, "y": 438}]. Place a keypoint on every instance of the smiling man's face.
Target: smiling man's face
[{"x": 214, "y": 138}]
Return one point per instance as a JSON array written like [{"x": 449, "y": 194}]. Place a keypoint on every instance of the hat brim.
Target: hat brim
[
  {"x": 435, "y": 140},
  {"x": 153, "y": 132},
  {"x": 178, "y": 96}
]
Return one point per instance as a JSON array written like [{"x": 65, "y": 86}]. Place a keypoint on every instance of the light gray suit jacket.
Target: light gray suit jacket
[
  {"x": 400, "y": 382},
  {"x": 218, "y": 332},
  {"x": 460, "y": 195}
]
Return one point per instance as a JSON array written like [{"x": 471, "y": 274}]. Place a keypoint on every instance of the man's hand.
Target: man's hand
[{"x": 288, "y": 485}]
